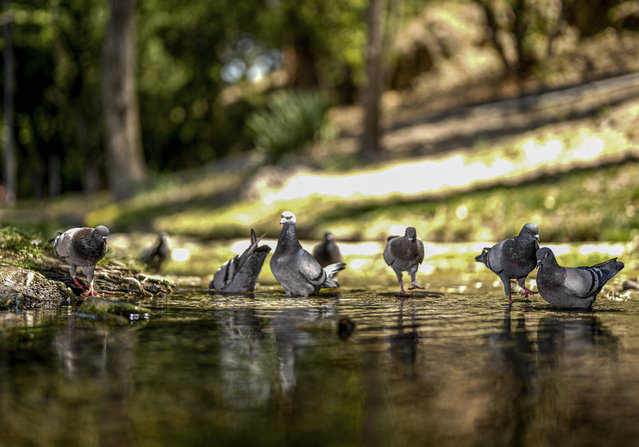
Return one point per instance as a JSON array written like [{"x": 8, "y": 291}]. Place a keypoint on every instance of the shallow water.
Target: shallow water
[{"x": 433, "y": 369}]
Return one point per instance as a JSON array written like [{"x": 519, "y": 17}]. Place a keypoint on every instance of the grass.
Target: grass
[
  {"x": 588, "y": 205},
  {"x": 20, "y": 247}
]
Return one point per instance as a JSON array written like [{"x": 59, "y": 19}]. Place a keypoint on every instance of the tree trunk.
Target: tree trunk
[
  {"x": 9, "y": 142},
  {"x": 493, "y": 29},
  {"x": 126, "y": 165},
  {"x": 525, "y": 59},
  {"x": 370, "y": 145}
]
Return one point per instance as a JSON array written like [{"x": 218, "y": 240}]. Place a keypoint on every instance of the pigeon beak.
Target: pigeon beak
[
  {"x": 104, "y": 239},
  {"x": 537, "y": 238}
]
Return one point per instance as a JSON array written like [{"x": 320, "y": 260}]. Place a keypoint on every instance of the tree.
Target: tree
[
  {"x": 127, "y": 168},
  {"x": 370, "y": 145},
  {"x": 9, "y": 145}
]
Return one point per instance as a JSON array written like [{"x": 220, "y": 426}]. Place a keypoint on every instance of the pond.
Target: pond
[{"x": 438, "y": 368}]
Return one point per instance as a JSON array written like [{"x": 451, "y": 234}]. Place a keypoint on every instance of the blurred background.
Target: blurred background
[{"x": 463, "y": 118}]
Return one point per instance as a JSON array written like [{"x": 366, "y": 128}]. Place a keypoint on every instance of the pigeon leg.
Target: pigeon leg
[
  {"x": 506, "y": 282},
  {"x": 413, "y": 285},
  {"x": 92, "y": 291},
  {"x": 525, "y": 290},
  {"x": 73, "y": 273},
  {"x": 77, "y": 283},
  {"x": 402, "y": 292},
  {"x": 90, "y": 272}
]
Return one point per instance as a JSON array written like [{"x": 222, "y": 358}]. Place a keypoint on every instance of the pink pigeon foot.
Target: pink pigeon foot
[{"x": 77, "y": 283}]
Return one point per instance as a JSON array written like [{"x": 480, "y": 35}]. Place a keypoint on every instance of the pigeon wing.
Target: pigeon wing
[
  {"x": 63, "y": 244},
  {"x": 495, "y": 256},
  {"x": 246, "y": 255},
  {"x": 310, "y": 268},
  {"x": 389, "y": 257},
  {"x": 582, "y": 282},
  {"x": 420, "y": 249}
]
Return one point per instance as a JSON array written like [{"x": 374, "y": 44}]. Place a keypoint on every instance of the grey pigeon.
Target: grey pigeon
[
  {"x": 569, "y": 287},
  {"x": 82, "y": 247},
  {"x": 155, "y": 255},
  {"x": 513, "y": 258},
  {"x": 404, "y": 254},
  {"x": 327, "y": 252},
  {"x": 239, "y": 274},
  {"x": 296, "y": 269}
]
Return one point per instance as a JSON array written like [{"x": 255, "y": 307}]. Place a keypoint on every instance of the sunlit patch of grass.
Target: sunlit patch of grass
[
  {"x": 595, "y": 204},
  {"x": 169, "y": 194}
]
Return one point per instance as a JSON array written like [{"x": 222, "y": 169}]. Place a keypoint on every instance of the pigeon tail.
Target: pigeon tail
[
  {"x": 483, "y": 257},
  {"x": 610, "y": 268},
  {"x": 331, "y": 271}
]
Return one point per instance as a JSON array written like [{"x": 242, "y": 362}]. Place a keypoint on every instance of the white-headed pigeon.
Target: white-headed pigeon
[{"x": 295, "y": 269}]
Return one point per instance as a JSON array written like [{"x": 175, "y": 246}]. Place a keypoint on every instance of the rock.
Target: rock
[
  {"x": 111, "y": 312},
  {"x": 630, "y": 284},
  {"x": 22, "y": 288}
]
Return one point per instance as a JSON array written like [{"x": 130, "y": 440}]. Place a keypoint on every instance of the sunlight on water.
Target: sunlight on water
[{"x": 180, "y": 254}]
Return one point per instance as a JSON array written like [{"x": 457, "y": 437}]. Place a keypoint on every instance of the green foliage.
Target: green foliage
[
  {"x": 13, "y": 239},
  {"x": 19, "y": 247},
  {"x": 289, "y": 121}
]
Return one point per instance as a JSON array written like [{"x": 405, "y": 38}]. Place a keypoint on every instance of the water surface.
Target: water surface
[{"x": 434, "y": 369}]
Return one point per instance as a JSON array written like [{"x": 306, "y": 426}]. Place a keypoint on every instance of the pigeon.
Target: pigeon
[
  {"x": 404, "y": 254},
  {"x": 327, "y": 252},
  {"x": 239, "y": 274},
  {"x": 82, "y": 247},
  {"x": 297, "y": 270},
  {"x": 513, "y": 258},
  {"x": 155, "y": 255},
  {"x": 570, "y": 287}
]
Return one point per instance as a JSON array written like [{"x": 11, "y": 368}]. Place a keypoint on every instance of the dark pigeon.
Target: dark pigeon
[
  {"x": 239, "y": 274},
  {"x": 297, "y": 270},
  {"x": 513, "y": 258},
  {"x": 404, "y": 254},
  {"x": 327, "y": 252},
  {"x": 569, "y": 287},
  {"x": 155, "y": 255},
  {"x": 82, "y": 247}
]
